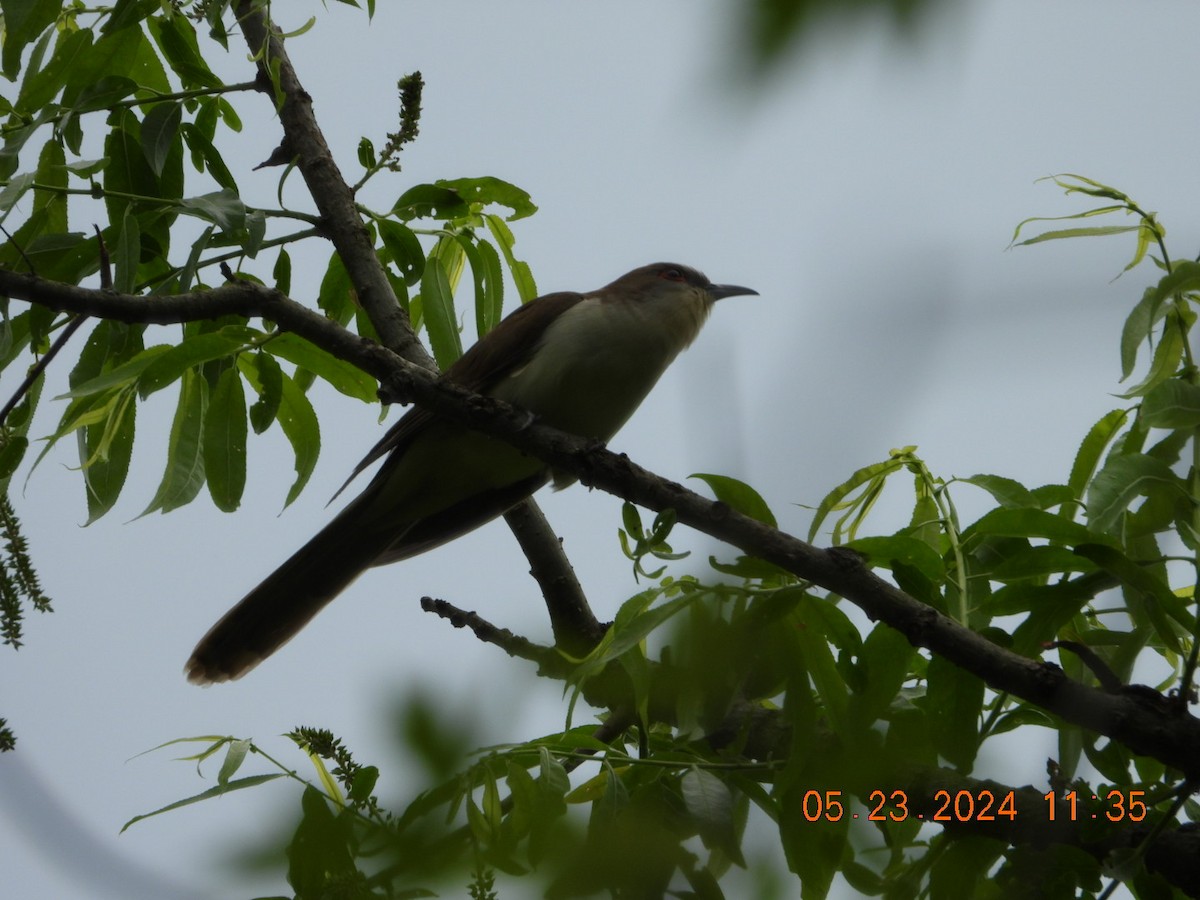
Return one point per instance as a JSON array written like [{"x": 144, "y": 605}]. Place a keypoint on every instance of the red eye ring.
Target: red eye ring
[{"x": 672, "y": 275}]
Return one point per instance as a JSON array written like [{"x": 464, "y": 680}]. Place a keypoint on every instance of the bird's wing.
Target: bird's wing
[{"x": 502, "y": 350}]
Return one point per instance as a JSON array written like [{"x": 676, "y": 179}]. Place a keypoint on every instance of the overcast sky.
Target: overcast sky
[{"x": 868, "y": 192}]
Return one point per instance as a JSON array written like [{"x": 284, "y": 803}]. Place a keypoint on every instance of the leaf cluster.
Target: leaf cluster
[{"x": 741, "y": 692}]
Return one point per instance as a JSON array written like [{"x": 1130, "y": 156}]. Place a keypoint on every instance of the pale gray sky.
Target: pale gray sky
[{"x": 868, "y": 193}]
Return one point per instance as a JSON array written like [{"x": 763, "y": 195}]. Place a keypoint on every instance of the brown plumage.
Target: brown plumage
[{"x": 580, "y": 362}]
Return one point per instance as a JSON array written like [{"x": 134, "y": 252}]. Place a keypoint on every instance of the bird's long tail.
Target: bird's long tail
[{"x": 272, "y": 613}]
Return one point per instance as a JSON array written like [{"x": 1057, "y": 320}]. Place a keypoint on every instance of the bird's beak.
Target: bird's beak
[{"x": 721, "y": 291}]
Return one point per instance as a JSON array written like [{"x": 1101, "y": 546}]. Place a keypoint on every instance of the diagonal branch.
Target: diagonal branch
[
  {"x": 335, "y": 200},
  {"x": 1138, "y": 718}
]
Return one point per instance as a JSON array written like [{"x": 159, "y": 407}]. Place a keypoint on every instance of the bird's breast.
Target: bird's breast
[{"x": 598, "y": 360}]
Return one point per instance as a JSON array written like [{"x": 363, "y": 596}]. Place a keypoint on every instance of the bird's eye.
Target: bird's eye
[{"x": 672, "y": 275}]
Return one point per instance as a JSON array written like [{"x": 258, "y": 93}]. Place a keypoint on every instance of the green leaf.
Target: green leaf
[
  {"x": 185, "y": 356},
  {"x": 335, "y": 297},
  {"x": 491, "y": 311},
  {"x": 267, "y": 378},
  {"x": 11, "y": 454},
  {"x": 738, "y": 495},
  {"x": 125, "y": 373},
  {"x": 1138, "y": 327},
  {"x": 127, "y": 254},
  {"x": 820, "y": 624},
  {"x": 24, "y": 20},
  {"x": 346, "y": 378},
  {"x": 15, "y": 190},
  {"x": 429, "y": 201},
  {"x": 404, "y": 249},
  {"x": 38, "y": 90},
  {"x": 1033, "y": 523},
  {"x": 633, "y": 623},
  {"x": 437, "y": 300},
  {"x": 1164, "y": 363},
  {"x": 1091, "y": 450},
  {"x": 1038, "y": 562},
  {"x": 965, "y": 864},
  {"x": 709, "y": 802},
  {"x": 1153, "y": 597},
  {"x": 1124, "y": 477},
  {"x": 299, "y": 423},
  {"x": 205, "y": 156},
  {"x": 177, "y": 39},
  {"x": 521, "y": 275},
  {"x": 482, "y": 191},
  {"x": 160, "y": 131},
  {"x": 860, "y": 479},
  {"x": 885, "y": 661},
  {"x": 953, "y": 700},
  {"x": 282, "y": 273},
  {"x": 218, "y": 791},
  {"x": 1008, "y": 493},
  {"x": 366, "y": 154},
  {"x": 1095, "y": 231},
  {"x": 184, "y": 475},
  {"x": 127, "y": 13},
  {"x": 886, "y": 551},
  {"x": 106, "y": 449},
  {"x": 225, "y": 436},
  {"x": 1173, "y": 403},
  {"x": 224, "y": 208},
  {"x": 235, "y": 755}
]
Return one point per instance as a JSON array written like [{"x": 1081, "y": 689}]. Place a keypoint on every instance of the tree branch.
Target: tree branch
[
  {"x": 333, "y": 197},
  {"x": 576, "y": 629},
  {"x": 1139, "y": 718},
  {"x": 336, "y": 202}
]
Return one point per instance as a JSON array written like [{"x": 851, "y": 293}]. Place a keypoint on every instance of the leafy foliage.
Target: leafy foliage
[{"x": 740, "y": 695}]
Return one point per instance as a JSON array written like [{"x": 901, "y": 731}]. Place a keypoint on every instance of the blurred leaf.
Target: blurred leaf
[
  {"x": 218, "y": 791},
  {"x": 710, "y": 803},
  {"x": 953, "y": 700},
  {"x": 884, "y": 551},
  {"x": 885, "y": 660}
]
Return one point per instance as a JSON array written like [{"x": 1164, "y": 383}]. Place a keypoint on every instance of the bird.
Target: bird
[{"x": 580, "y": 362}]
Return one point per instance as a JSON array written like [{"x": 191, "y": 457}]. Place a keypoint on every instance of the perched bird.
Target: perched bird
[{"x": 579, "y": 362}]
